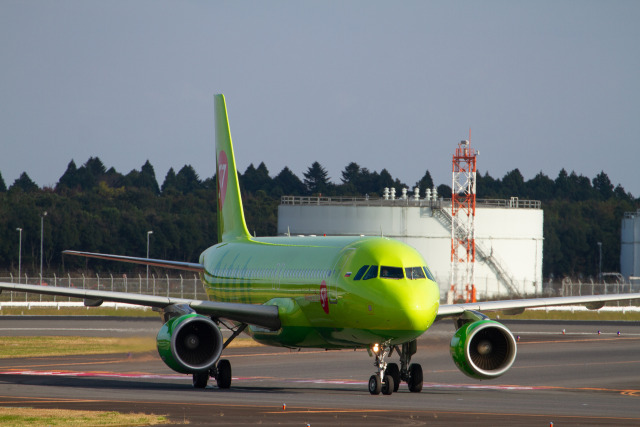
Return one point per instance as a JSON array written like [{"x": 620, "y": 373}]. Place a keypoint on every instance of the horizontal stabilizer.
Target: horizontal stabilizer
[{"x": 178, "y": 265}]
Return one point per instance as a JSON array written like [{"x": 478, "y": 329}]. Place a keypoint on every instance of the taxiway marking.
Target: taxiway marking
[{"x": 142, "y": 375}]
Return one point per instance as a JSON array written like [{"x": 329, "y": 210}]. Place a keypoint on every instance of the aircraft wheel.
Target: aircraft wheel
[
  {"x": 223, "y": 377},
  {"x": 415, "y": 378},
  {"x": 375, "y": 386},
  {"x": 200, "y": 379},
  {"x": 387, "y": 385},
  {"x": 394, "y": 372}
]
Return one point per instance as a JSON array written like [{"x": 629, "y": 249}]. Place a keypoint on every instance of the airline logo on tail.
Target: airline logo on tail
[{"x": 223, "y": 171}]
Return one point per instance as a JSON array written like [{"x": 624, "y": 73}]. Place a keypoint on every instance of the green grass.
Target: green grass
[
  {"x": 592, "y": 315},
  {"x": 65, "y": 417},
  {"x": 49, "y": 346},
  {"x": 14, "y": 347}
]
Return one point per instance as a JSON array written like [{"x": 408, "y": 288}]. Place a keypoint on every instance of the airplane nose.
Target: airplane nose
[{"x": 418, "y": 305}]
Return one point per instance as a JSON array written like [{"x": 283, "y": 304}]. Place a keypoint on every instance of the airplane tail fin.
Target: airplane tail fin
[{"x": 231, "y": 223}]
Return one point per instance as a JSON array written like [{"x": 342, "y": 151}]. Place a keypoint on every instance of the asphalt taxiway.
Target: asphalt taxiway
[{"x": 579, "y": 377}]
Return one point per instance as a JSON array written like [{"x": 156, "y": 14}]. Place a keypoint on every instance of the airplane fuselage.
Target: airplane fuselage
[{"x": 331, "y": 292}]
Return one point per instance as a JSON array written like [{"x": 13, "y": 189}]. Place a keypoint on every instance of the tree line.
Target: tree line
[{"x": 97, "y": 209}]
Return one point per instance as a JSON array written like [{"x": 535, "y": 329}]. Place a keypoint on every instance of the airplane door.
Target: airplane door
[
  {"x": 338, "y": 273},
  {"x": 275, "y": 285}
]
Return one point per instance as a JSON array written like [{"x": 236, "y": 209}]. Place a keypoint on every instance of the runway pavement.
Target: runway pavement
[{"x": 576, "y": 378}]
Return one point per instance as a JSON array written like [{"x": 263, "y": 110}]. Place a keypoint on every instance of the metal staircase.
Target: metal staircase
[{"x": 445, "y": 219}]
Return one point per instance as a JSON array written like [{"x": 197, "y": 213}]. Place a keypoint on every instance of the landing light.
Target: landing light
[{"x": 376, "y": 348}]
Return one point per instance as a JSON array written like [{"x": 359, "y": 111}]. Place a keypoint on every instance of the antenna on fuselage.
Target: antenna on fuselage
[
  {"x": 288, "y": 232},
  {"x": 381, "y": 235}
]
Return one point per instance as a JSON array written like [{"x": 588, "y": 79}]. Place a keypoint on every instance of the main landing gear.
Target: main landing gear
[
  {"x": 388, "y": 376},
  {"x": 221, "y": 371}
]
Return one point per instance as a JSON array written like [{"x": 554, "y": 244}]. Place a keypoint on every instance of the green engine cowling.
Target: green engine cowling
[
  {"x": 483, "y": 349},
  {"x": 190, "y": 343}
]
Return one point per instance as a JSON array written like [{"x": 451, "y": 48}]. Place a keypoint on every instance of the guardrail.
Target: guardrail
[
  {"x": 632, "y": 215},
  {"x": 442, "y": 203},
  {"x": 358, "y": 201}
]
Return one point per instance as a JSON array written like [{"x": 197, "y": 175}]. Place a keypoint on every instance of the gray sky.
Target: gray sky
[{"x": 542, "y": 84}]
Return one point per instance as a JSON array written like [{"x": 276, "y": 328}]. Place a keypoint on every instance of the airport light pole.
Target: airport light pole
[
  {"x": 600, "y": 263},
  {"x": 19, "y": 254},
  {"x": 41, "y": 242},
  {"x": 150, "y": 232}
]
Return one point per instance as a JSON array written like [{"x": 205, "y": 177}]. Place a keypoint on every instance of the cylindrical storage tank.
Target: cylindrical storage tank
[{"x": 506, "y": 238}]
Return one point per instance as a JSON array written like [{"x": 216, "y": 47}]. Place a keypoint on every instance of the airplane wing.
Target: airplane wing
[
  {"x": 259, "y": 315},
  {"x": 178, "y": 265},
  {"x": 592, "y": 302}
]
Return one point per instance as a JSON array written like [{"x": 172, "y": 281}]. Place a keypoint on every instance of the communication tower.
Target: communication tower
[{"x": 463, "y": 212}]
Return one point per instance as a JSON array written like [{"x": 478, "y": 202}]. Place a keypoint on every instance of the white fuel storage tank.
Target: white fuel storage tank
[
  {"x": 508, "y": 234},
  {"x": 630, "y": 246}
]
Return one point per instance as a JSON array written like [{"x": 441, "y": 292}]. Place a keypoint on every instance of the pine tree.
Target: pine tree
[
  {"x": 24, "y": 184},
  {"x": 287, "y": 183},
  {"x": 69, "y": 178},
  {"x": 316, "y": 179},
  {"x": 602, "y": 184},
  {"x": 89, "y": 174},
  {"x": 540, "y": 187},
  {"x": 170, "y": 182},
  {"x": 187, "y": 180},
  {"x": 351, "y": 174},
  {"x": 425, "y": 182},
  {"x": 513, "y": 184},
  {"x": 254, "y": 179},
  {"x": 148, "y": 179}
]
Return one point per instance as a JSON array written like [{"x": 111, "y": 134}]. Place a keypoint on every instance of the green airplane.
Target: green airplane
[{"x": 313, "y": 292}]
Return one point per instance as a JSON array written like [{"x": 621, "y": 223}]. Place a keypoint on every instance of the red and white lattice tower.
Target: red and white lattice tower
[{"x": 463, "y": 213}]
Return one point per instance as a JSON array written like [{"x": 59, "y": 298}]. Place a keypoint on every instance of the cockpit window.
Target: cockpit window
[
  {"x": 391, "y": 272},
  {"x": 429, "y": 274},
  {"x": 414, "y": 273},
  {"x": 372, "y": 273},
  {"x": 360, "y": 272}
]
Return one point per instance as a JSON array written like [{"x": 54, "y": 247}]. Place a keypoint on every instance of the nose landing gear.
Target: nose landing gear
[
  {"x": 388, "y": 376},
  {"x": 380, "y": 381}
]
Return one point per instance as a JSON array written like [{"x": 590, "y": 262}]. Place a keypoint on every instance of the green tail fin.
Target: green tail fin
[{"x": 231, "y": 223}]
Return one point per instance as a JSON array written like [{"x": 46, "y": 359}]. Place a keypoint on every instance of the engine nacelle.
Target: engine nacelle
[
  {"x": 190, "y": 343},
  {"x": 484, "y": 349}
]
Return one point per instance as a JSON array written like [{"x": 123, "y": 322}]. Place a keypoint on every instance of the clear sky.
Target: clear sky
[{"x": 397, "y": 84}]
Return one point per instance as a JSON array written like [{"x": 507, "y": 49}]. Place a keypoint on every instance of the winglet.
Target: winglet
[{"x": 231, "y": 223}]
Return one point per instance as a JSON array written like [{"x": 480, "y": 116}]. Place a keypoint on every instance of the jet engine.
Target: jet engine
[
  {"x": 190, "y": 343},
  {"x": 483, "y": 349}
]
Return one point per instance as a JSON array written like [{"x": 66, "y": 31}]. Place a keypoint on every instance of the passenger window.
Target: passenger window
[
  {"x": 414, "y": 273},
  {"x": 429, "y": 274},
  {"x": 391, "y": 272},
  {"x": 372, "y": 273},
  {"x": 360, "y": 272}
]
